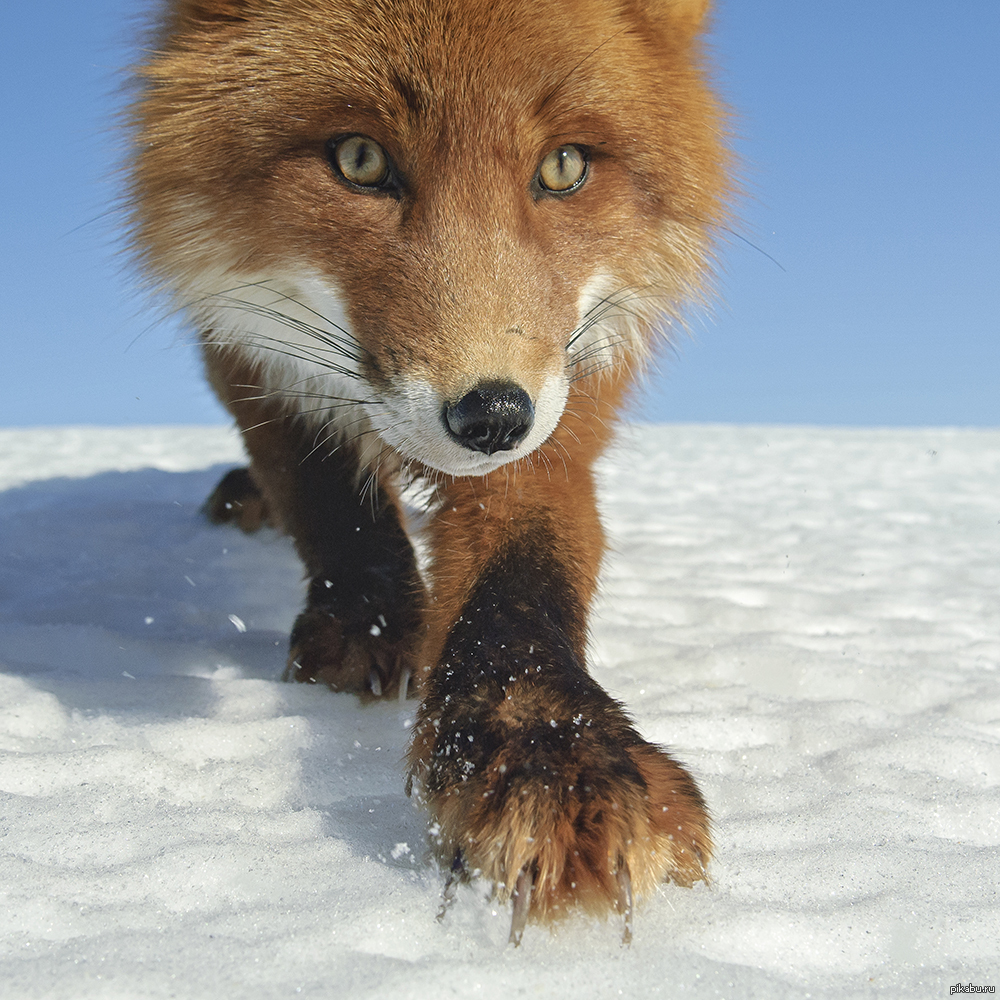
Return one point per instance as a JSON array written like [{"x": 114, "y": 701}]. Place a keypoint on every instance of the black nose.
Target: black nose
[{"x": 495, "y": 416}]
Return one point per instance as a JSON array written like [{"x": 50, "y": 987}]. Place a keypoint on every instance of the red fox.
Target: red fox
[{"x": 432, "y": 240}]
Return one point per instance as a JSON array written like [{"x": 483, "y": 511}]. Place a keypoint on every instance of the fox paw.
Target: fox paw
[
  {"x": 370, "y": 661},
  {"x": 237, "y": 500},
  {"x": 559, "y": 813}
]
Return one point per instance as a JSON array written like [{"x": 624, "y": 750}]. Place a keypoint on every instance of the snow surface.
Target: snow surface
[{"x": 810, "y": 617}]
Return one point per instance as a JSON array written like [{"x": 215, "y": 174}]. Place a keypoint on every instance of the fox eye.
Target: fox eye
[
  {"x": 563, "y": 170},
  {"x": 360, "y": 161}
]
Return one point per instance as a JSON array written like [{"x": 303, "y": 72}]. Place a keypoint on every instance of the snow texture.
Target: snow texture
[{"x": 809, "y": 617}]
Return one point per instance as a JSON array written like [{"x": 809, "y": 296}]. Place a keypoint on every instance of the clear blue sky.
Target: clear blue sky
[{"x": 870, "y": 135}]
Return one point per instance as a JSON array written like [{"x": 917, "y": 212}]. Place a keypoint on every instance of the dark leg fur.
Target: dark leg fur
[{"x": 365, "y": 596}]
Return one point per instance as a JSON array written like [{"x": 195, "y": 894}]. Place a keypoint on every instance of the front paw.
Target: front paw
[
  {"x": 554, "y": 798},
  {"x": 368, "y": 658}
]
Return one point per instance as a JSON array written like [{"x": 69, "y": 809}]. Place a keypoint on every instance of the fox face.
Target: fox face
[{"x": 427, "y": 224}]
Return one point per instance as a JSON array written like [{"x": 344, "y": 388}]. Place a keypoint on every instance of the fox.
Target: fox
[{"x": 437, "y": 242}]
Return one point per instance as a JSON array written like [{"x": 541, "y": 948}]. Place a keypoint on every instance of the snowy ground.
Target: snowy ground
[{"x": 811, "y": 618}]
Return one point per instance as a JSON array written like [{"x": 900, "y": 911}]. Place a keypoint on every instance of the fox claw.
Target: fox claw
[
  {"x": 522, "y": 904},
  {"x": 455, "y": 876},
  {"x": 324, "y": 650},
  {"x": 624, "y": 903}
]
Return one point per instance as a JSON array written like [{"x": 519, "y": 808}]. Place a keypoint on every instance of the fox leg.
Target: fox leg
[
  {"x": 365, "y": 598},
  {"x": 535, "y": 776}
]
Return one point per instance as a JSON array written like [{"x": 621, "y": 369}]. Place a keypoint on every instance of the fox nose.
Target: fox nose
[{"x": 495, "y": 416}]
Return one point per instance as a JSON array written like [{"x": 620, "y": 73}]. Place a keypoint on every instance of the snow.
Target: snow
[{"x": 809, "y": 617}]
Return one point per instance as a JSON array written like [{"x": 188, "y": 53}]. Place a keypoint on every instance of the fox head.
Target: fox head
[{"x": 428, "y": 218}]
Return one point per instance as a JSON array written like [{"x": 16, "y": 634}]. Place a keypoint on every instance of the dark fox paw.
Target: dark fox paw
[
  {"x": 370, "y": 659},
  {"x": 559, "y": 812},
  {"x": 237, "y": 500}
]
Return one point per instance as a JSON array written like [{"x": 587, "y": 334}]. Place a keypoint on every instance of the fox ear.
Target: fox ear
[
  {"x": 679, "y": 17},
  {"x": 690, "y": 11},
  {"x": 209, "y": 12}
]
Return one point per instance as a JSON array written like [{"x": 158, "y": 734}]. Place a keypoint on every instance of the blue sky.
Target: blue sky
[{"x": 870, "y": 139}]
